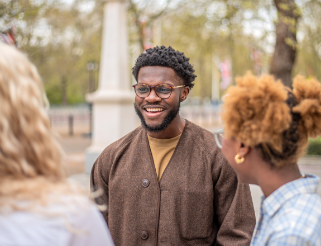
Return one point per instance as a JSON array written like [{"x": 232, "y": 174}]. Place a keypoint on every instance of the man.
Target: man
[{"x": 167, "y": 183}]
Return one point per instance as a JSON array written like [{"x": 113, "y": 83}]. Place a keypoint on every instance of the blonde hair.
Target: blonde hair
[
  {"x": 31, "y": 164},
  {"x": 263, "y": 113}
]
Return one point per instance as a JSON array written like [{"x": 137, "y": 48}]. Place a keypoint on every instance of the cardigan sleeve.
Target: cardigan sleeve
[
  {"x": 233, "y": 206},
  {"x": 99, "y": 180}
]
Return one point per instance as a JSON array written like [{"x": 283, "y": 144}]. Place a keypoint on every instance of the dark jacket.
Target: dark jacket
[{"x": 198, "y": 200}]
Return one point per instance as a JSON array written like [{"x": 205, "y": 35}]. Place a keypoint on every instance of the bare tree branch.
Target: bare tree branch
[
  {"x": 136, "y": 13},
  {"x": 154, "y": 17},
  {"x": 137, "y": 16}
]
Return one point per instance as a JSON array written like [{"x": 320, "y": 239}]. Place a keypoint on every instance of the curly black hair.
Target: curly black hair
[
  {"x": 166, "y": 57},
  {"x": 290, "y": 138}
]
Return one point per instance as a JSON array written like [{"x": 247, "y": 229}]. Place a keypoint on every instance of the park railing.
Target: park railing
[
  {"x": 75, "y": 120},
  {"x": 70, "y": 120}
]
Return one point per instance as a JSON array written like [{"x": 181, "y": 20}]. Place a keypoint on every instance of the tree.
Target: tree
[
  {"x": 286, "y": 41},
  {"x": 143, "y": 18},
  {"x": 60, "y": 39},
  {"x": 308, "y": 60},
  {"x": 203, "y": 29}
]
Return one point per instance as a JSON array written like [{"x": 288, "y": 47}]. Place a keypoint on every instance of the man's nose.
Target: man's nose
[{"x": 153, "y": 96}]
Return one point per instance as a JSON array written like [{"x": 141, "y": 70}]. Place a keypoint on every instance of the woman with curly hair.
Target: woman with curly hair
[
  {"x": 266, "y": 130},
  {"x": 37, "y": 204}
]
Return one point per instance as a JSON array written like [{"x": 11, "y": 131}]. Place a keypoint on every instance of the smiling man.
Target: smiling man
[{"x": 167, "y": 183}]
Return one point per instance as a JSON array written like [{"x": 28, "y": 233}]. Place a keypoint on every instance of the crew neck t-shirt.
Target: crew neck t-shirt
[{"x": 162, "y": 151}]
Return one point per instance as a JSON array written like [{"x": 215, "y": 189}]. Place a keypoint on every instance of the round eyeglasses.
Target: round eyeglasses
[
  {"x": 219, "y": 136},
  {"x": 163, "y": 91}
]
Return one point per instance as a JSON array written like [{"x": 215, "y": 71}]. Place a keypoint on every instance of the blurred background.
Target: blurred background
[{"x": 223, "y": 38}]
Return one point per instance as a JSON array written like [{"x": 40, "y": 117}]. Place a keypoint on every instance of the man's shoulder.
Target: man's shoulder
[
  {"x": 125, "y": 140},
  {"x": 200, "y": 135}
]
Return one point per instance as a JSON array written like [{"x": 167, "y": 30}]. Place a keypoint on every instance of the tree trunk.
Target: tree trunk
[{"x": 285, "y": 46}]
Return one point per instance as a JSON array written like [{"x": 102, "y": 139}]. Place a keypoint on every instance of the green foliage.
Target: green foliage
[
  {"x": 53, "y": 91},
  {"x": 60, "y": 38},
  {"x": 308, "y": 60},
  {"x": 205, "y": 35},
  {"x": 314, "y": 147}
]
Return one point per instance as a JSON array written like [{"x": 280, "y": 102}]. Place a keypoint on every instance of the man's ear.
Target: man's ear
[{"x": 184, "y": 93}]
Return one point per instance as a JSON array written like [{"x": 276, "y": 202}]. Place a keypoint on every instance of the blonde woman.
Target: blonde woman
[
  {"x": 37, "y": 204},
  {"x": 266, "y": 129}
]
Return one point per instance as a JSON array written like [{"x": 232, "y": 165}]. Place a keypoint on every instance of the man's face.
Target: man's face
[{"x": 157, "y": 113}]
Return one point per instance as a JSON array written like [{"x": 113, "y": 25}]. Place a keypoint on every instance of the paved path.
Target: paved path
[{"x": 74, "y": 148}]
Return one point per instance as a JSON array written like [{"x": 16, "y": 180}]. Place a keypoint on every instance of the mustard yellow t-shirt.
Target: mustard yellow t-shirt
[{"x": 162, "y": 151}]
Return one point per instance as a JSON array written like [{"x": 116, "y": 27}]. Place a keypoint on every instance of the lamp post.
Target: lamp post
[{"x": 91, "y": 66}]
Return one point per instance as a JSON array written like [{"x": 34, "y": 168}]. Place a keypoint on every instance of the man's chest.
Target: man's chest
[
  {"x": 185, "y": 172},
  {"x": 183, "y": 198}
]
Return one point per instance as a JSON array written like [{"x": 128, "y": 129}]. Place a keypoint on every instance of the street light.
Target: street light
[{"x": 91, "y": 66}]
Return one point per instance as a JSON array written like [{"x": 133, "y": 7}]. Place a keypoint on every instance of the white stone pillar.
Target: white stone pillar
[{"x": 113, "y": 111}]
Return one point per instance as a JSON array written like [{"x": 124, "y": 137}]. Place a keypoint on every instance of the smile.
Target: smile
[{"x": 154, "y": 109}]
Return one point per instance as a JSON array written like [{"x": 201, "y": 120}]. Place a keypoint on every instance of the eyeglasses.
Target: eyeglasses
[
  {"x": 163, "y": 91},
  {"x": 219, "y": 136}
]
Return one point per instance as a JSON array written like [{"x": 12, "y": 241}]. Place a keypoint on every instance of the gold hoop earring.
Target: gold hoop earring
[{"x": 239, "y": 160}]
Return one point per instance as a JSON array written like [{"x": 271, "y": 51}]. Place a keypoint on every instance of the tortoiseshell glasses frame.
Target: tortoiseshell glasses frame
[{"x": 163, "y": 90}]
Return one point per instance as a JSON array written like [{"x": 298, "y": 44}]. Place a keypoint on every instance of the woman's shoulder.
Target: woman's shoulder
[
  {"x": 307, "y": 203},
  {"x": 300, "y": 214},
  {"x": 298, "y": 220},
  {"x": 69, "y": 218}
]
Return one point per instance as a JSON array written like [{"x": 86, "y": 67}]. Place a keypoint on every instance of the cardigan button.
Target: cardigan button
[
  {"x": 145, "y": 183},
  {"x": 144, "y": 235}
]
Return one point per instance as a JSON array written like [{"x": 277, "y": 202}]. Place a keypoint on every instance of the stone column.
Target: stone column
[{"x": 113, "y": 111}]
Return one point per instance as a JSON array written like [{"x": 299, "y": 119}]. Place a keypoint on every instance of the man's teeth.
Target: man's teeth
[{"x": 154, "y": 109}]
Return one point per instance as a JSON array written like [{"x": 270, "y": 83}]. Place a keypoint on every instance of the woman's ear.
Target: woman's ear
[
  {"x": 184, "y": 93},
  {"x": 243, "y": 150}
]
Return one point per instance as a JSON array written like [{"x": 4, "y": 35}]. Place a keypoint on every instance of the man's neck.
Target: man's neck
[{"x": 174, "y": 129}]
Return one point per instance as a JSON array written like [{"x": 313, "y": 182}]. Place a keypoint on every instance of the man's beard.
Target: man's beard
[{"x": 167, "y": 120}]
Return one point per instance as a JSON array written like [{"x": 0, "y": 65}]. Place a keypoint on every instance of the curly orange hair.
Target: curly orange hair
[
  {"x": 263, "y": 113},
  {"x": 308, "y": 94}
]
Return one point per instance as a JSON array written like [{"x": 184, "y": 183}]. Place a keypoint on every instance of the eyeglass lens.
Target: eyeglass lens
[
  {"x": 219, "y": 138},
  {"x": 163, "y": 91}
]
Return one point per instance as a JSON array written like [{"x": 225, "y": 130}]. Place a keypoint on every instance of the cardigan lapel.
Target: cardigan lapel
[
  {"x": 179, "y": 145},
  {"x": 149, "y": 158}
]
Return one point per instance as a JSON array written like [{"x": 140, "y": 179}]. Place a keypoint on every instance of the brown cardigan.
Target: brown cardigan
[{"x": 198, "y": 200}]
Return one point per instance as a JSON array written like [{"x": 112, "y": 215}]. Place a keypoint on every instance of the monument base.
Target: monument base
[
  {"x": 113, "y": 117},
  {"x": 113, "y": 110}
]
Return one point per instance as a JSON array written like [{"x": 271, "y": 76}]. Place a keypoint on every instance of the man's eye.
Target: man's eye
[
  {"x": 164, "y": 90},
  {"x": 142, "y": 89}
]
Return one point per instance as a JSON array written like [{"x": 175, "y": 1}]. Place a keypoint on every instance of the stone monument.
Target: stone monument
[{"x": 113, "y": 111}]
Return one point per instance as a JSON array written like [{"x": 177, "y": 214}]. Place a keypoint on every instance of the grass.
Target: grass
[{"x": 314, "y": 147}]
